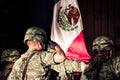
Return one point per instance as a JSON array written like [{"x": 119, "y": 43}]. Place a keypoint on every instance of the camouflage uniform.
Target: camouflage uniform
[
  {"x": 8, "y": 56},
  {"x": 103, "y": 67},
  {"x": 65, "y": 69},
  {"x": 40, "y": 61},
  {"x": 35, "y": 69}
]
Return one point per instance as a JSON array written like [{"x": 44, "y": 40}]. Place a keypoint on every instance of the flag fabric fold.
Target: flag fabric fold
[{"x": 67, "y": 30}]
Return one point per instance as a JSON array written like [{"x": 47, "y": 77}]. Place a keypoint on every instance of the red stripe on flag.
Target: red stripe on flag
[{"x": 77, "y": 50}]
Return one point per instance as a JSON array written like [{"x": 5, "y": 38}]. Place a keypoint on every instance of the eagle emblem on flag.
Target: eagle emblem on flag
[{"x": 67, "y": 18}]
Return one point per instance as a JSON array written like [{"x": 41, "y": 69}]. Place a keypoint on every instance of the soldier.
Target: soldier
[
  {"x": 8, "y": 57},
  {"x": 34, "y": 63},
  {"x": 103, "y": 66}
]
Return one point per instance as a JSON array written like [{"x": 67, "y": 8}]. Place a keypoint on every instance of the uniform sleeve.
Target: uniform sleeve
[
  {"x": 72, "y": 66},
  {"x": 47, "y": 57},
  {"x": 68, "y": 66},
  {"x": 116, "y": 65}
]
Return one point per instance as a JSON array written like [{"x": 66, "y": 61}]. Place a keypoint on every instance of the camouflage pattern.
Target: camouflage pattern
[
  {"x": 35, "y": 68},
  {"x": 39, "y": 64},
  {"x": 67, "y": 67},
  {"x": 10, "y": 55},
  {"x": 35, "y": 34},
  {"x": 102, "y": 43},
  {"x": 104, "y": 69}
]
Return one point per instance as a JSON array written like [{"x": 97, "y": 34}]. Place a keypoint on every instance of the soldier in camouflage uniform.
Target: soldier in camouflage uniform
[
  {"x": 8, "y": 57},
  {"x": 103, "y": 66},
  {"x": 34, "y": 63}
]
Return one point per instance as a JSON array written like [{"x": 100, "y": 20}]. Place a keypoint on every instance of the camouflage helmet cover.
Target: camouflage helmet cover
[
  {"x": 35, "y": 34},
  {"x": 102, "y": 43},
  {"x": 10, "y": 55}
]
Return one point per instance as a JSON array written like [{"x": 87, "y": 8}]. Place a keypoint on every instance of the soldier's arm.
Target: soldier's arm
[
  {"x": 68, "y": 65},
  {"x": 59, "y": 55},
  {"x": 53, "y": 57}
]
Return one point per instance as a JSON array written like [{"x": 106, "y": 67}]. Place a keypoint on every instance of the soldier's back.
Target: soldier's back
[{"x": 36, "y": 68}]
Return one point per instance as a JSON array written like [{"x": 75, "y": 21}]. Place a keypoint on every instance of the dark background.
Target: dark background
[{"x": 100, "y": 17}]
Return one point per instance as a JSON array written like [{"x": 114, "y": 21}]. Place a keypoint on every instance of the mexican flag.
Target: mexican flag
[{"x": 67, "y": 30}]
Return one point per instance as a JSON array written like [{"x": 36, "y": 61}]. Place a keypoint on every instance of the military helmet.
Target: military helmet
[
  {"x": 35, "y": 34},
  {"x": 102, "y": 43},
  {"x": 10, "y": 55}
]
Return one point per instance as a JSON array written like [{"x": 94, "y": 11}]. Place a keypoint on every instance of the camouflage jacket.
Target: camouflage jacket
[
  {"x": 103, "y": 69},
  {"x": 67, "y": 68},
  {"x": 35, "y": 68}
]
